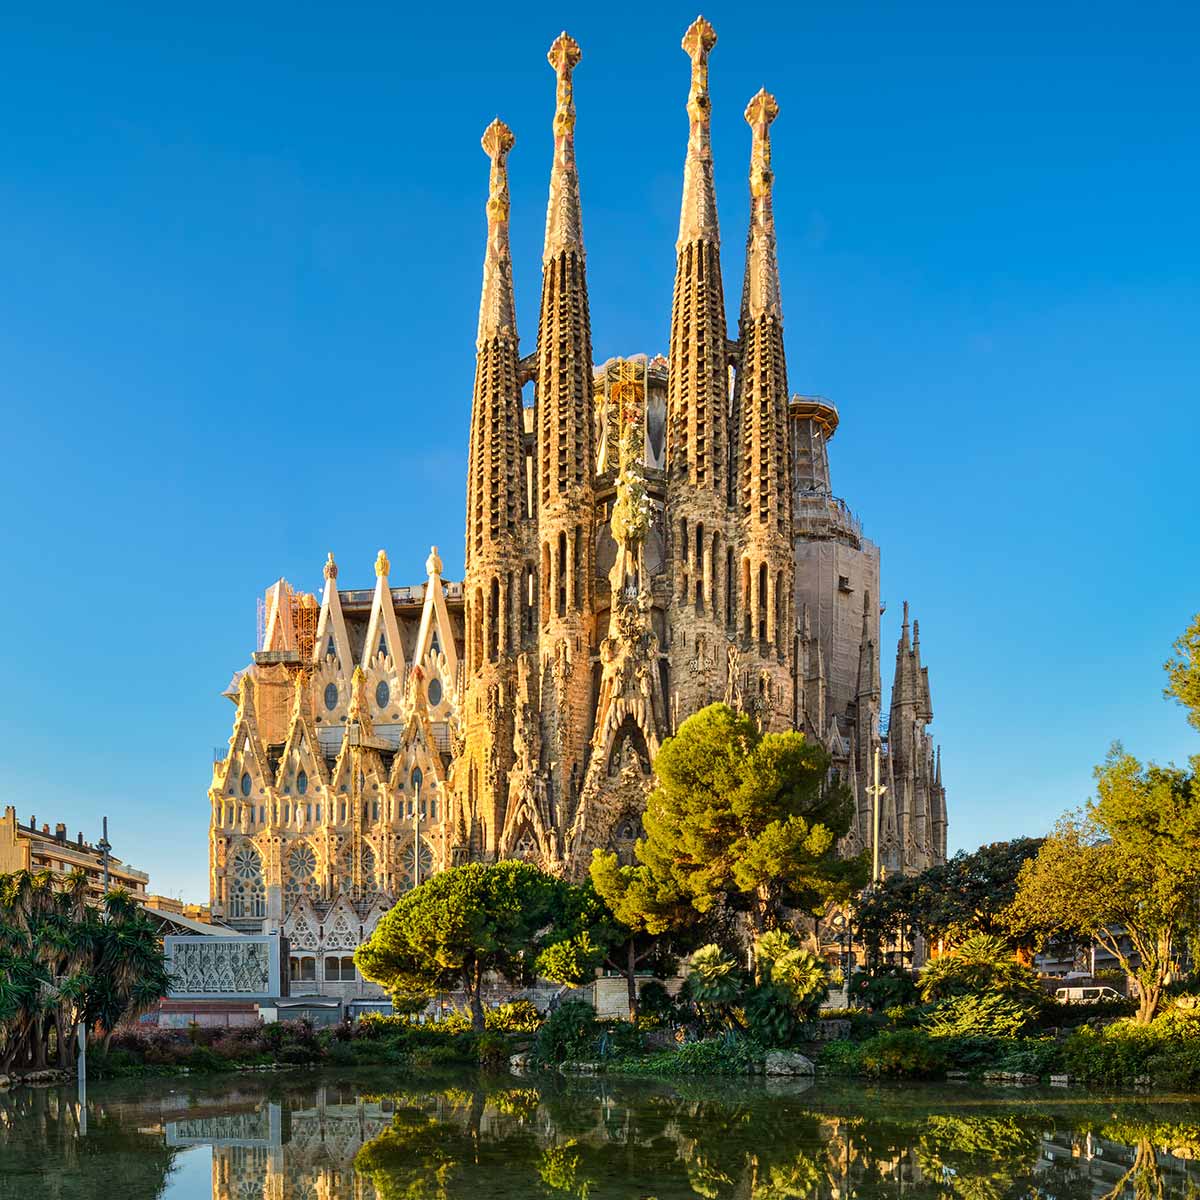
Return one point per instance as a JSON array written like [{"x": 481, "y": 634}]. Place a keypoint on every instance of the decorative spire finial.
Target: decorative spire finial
[
  {"x": 760, "y": 112},
  {"x": 497, "y": 308},
  {"x": 698, "y": 212},
  {"x": 760, "y": 296},
  {"x": 564, "y": 225},
  {"x": 697, "y": 43},
  {"x": 382, "y": 566},
  {"x": 433, "y": 564},
  {"x": 330, "y": 567}
]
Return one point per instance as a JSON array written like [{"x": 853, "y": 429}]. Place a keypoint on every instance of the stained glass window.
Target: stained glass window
[
  {"x": 331, "y": 696},
  {"x": 382, "y": 694}
]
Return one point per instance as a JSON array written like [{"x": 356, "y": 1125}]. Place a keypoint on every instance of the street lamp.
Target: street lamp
[
  {"x": 417, "y": 779},
  {"x": 104, "y": 847}
]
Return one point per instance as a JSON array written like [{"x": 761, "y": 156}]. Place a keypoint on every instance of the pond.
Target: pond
[{"x": 364, "y": 1135}]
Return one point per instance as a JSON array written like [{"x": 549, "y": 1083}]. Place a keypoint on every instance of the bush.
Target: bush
[
  {"x": 570, "y": 1032},
  {"x": 905, "y": 1053},
  {"x": 980, "y": 964},
  {"x": 1119, "y": 1054},
  {"x": 731, "y": 1054},
  {"x": 887, "y": 987},
  {"x": 655, "y": 1003},
  {"x": 841, "y": 1058},
  {"x": 492, "y": 1050},
  {"x": 992, "y": 1015}
]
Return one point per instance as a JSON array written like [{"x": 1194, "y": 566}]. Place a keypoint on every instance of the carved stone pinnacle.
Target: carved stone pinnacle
[
  {"x": 497, "y": 140},
  {"x": 762, "y": 109},
  {"x": 564, "y": 54},
  {"x": 700, "y": 38},
  {"x": 330, "y": 567}
]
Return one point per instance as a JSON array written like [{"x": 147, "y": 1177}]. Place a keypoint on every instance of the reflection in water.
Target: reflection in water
[{"x": 372, "y": 1137}]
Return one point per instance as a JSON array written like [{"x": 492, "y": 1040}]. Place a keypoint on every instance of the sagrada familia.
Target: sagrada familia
[{"x": 649, "y": 536}]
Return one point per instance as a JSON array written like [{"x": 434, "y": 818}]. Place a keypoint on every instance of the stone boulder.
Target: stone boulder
[{"x": 788, "y": 1062}]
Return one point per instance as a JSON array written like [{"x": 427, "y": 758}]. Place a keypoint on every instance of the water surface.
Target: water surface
[{"x": 370, "y": 1135}]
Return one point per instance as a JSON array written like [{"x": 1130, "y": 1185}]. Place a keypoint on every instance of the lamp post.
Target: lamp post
[
  {"x": 417, "y": 779},
  {"x": 104, "y": 847},
  {"x": 876, "y": 791}
]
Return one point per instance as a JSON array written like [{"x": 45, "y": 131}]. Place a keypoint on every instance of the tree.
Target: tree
[
  {"x": 747, "y": 819},
  {"x": 1124, "y": 873},
  {"x": 461, "y": 924},
  {"x": 969, "y": 893},
  {"x": 982, "y": 964},
  {"x": 63, "y": 962},
  {"x": 1183, "y": 671},
  {"x": 641, "y": 912}
]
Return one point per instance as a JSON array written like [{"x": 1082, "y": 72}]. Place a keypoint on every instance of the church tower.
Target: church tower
[
  {"x": 565, "y": 464},
  {"x": 699, "y": 450},
  {"x": 766, "y": 615},
  {"x": 494, "y": 586}
]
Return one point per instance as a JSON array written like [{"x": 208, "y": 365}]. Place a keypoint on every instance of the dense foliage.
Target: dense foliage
[
  {"x": 968, "y": 893},
  {"x": 746, "y": 820},
  {"x": 65, "y": 962},
  {"x": 1124, "y": 873},
  {"x": 509, "y": 918}
]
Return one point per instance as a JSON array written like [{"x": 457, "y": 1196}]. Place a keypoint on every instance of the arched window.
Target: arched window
[
  {"x": 406, "y": 873},
  {"x": 247, "y": 896}
]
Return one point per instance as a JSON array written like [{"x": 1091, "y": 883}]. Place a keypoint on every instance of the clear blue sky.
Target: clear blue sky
[{"x": 241, "y": 248}]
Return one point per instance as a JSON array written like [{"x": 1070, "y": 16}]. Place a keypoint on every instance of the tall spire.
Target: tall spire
[
  {"x": 565, "y": 452},
  {"x": 564, "y": 221},
  {"x": 697, "y": 376},
  {"x": 495, "y": 487},
  {"x": 698, "y": 212},
  {"x": 763, "y": 400},
  {"x": 497, "y": 309},
  {"x": 765, "y": 475},
  {"x": 760, "y": 296}
]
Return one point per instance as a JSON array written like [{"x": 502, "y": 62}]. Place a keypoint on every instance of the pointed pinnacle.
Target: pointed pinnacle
[
  {"x": 760, "y": 112},
  {"x": 564, "y": 54},
  {"x": 697, "y": 42},
  {"x": 497, "y": 140}
]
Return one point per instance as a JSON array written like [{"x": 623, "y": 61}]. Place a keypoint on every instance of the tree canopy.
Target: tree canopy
[
  {"x": 967, "y": 894},
  {"x": 646, "y": 921},
  {"x": 1183, "y": 671},
  {"x": 506, "y": 917},
  {"x": 1124, "y": 873},
  {"x": 65, "y": 961},
  {"x": 747, "y": 819}
]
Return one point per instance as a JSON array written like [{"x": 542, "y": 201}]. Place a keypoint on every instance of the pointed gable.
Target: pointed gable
[{"x": 383, "y": 650}]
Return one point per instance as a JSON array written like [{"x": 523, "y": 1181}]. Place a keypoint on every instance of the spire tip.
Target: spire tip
[{"x": 497, "y": 140}]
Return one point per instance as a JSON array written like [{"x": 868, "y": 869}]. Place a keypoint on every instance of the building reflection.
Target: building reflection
[{"x": 278, "y": 1152}]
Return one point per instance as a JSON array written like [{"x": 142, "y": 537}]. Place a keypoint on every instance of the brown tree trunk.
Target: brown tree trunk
[
  {"x": 631, "y": 983},
  {"x": 475, "y": 988}
]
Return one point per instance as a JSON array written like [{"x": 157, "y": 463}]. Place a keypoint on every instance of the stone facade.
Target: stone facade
[{"x": 647, "y": 537}]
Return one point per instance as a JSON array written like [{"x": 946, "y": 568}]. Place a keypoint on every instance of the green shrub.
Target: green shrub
[
  {"x": 492, "y": 1050},
  {"x": 619, "y": 1039},
  {"x": 1031, "y": 1056},
  {"x": 841, "y": 1058},
  {"x": 992, "y": 1015},
  {"x": 570, "y": 1032},
  {"x": 731, "y": 1054},
  {"x": 655, "y": 1002},
  {"x": 884, "y": 988},
  {"x": 905, "y": 1053},
  {"x": 979, "y": 964},
  {"x": 1118, "y": 1054}
]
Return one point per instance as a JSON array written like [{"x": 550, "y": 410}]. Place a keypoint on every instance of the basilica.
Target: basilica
[{"x": 646, "y": 537}]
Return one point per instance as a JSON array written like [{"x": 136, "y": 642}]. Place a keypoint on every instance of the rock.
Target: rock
[
  {"x": 957, "y": 1075},
  {"x": 5, "y": 1083},
  {"x": 580, "y": 1068},
  {"x": 518, "y": 1063},
  {"x": 1060, "y": 1081},
  {"x": 787, "y": 1062}
]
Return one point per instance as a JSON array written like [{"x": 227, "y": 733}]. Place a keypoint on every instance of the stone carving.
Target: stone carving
[{"x": 220, "y": 967}]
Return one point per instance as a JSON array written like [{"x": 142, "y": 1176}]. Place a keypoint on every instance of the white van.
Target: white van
[{"x": 1086, "y": 995}]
